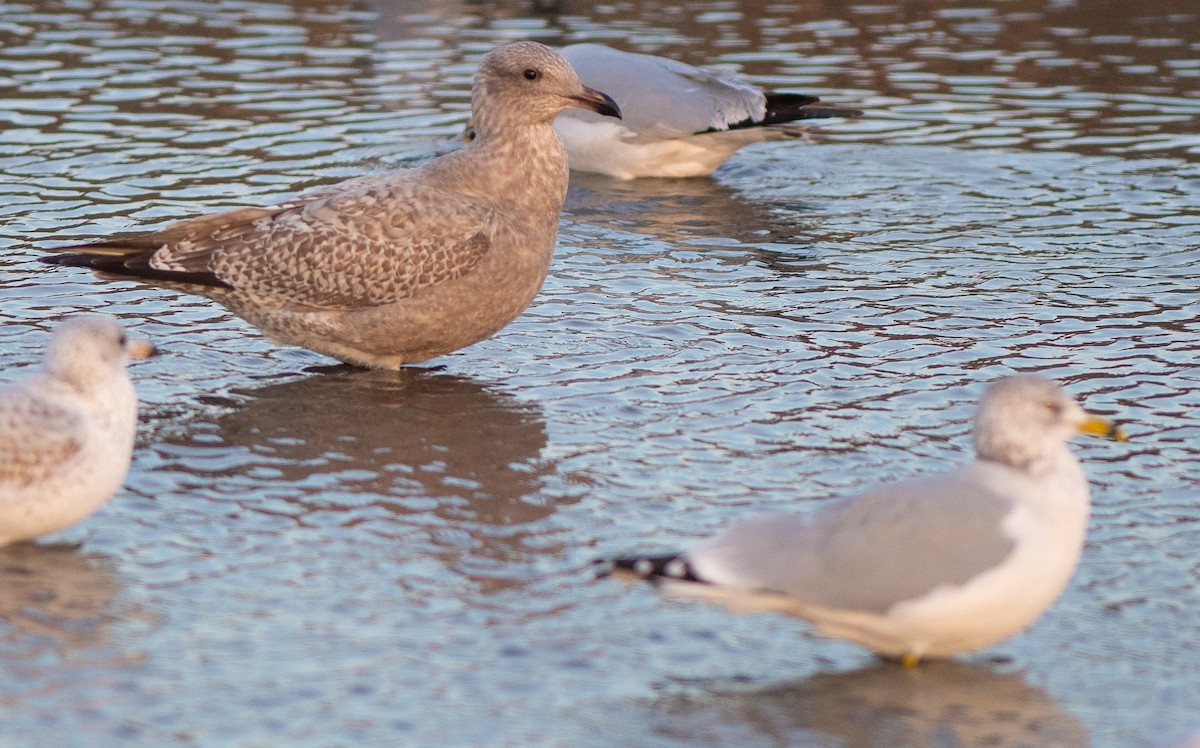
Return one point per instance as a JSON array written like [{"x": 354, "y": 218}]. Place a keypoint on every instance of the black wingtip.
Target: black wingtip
[
  {"x": 57, "y": 259},
  {"x": 650, "y": 568},
  {"x": 787, "y": 107},
  {"x": 128, "y": 267},
  {"x": 823, "y": 112}
]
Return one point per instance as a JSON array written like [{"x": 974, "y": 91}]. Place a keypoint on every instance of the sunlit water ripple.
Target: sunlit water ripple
[{"x": 314, "y": 556}]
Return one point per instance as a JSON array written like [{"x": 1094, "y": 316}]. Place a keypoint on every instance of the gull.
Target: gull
[
  {"x": 66, "y": 433},
  {"x": 927, "y": 567},
  {"x": 399, "y": 267},
  {"x": 677, "y": 120}
]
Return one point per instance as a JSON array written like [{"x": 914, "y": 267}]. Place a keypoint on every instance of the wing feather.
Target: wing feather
[
  {"x": 365, "y": 242},
  {"x": 892, "y": 544},
  {"x": 37, "y": 438}
]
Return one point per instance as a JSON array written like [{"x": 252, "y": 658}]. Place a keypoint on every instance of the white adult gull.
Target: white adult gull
[
  {"x": 398, "y": 267},
  {"x": 921, "y": 568},
  {"x": 677, "y": 120},
  {"x": 66, "y": 433}
]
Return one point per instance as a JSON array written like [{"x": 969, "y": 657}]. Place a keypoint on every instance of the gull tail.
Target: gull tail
[
  {"x": 126, "y": 258},
  {"x": 674, "y": 575},
  {"x": 671, "y": 566}
]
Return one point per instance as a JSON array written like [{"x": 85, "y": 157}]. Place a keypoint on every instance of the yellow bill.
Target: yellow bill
[
  {"x": 140, "y": 349},
  {"x": 1097, "y": 426}
]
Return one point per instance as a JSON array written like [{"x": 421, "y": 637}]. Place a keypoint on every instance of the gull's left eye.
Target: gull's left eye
[{"x": 531, "y": 74}]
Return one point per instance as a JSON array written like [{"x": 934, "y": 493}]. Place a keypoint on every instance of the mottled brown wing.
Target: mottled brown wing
[
  {"x": 36, "y": 439},
  {"x": 188, "y": 244},
  {"x": 382, "y": 241}
]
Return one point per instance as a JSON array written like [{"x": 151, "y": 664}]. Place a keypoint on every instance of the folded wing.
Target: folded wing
[
  {"x": 37, "y": 439},
  {"x": 367, "y": 242}
]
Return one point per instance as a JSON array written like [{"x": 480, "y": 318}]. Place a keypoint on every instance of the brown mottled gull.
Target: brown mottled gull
[
  {"x": 399, "y": 267},
  {"x": 921, "y": 568},
  {"x": 66, "y": 434}
]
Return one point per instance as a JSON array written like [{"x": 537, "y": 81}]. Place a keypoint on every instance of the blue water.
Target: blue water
[{"x": 308, "y": 555}]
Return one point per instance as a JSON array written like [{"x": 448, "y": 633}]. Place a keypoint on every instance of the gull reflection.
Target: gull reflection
[
  {"x": 700, "y": 214},
  {"x": 55, "y": 599},
  {"x": 682, "y": 209},
  {"x": 944, "y": 703},
  {"x": 458, "y": 460}
]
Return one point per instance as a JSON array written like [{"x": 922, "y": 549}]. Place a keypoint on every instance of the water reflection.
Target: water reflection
[
  {"x": 698, "y": 214},
  {"x": 391, "y": 452},
  {"x": 945, "y": 703},
  {"x": 55, "y": 599},
  {"x": 682, "y": 209}
]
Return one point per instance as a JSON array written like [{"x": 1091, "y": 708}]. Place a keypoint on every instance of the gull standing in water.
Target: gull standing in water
[
  {"x": 399, "y": 267},
  {"x": 677, "y": 120},
  {"x": 66, "y": 433},
  {"x": 921, "y": 568}
]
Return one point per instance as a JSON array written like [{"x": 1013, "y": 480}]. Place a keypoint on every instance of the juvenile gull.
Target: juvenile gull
[
  {"x": 920, "y": 568},
  {"x": 677, "y": 120},
  {"x": 66, "y": 434},
  {"x": 399, "y": 267}
]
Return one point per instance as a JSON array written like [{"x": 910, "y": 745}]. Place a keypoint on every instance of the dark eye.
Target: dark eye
[
  {"x": 531, "y": 74},
  {"x": 122, "y": 339}
]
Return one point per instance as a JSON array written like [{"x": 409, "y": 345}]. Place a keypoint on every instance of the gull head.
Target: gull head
[
  {"x": 527, "y": 83},
  {"x": 1025, "y": 419},
  {"x": 90, "y": 348}
]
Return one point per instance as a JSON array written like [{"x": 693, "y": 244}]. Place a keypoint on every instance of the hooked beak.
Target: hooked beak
[
  {"x": 140, "y": 349},
  {"x": 1097, "y": 426},
  {"x": 597, "y": 101}
]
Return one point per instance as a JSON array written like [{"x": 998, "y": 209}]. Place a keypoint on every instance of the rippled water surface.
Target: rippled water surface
[{"x": 313, "y": 555}]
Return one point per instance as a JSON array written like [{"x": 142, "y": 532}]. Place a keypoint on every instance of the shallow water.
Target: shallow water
[{"x": 314, "y": 555}]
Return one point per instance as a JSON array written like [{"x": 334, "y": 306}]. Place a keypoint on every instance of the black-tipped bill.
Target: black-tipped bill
[{"x": 598, "y": 102}]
